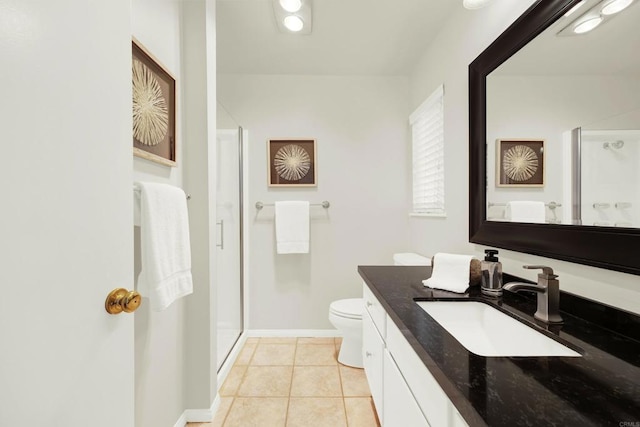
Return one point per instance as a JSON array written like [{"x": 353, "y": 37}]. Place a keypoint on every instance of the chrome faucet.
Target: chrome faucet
[{"x": 548, "y": 289}]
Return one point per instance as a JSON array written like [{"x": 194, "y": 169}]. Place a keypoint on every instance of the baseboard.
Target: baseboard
[
  {"x": 182, "y": 421},
  {"x": 198, "y": 415},
  {"x": 293, "y": 333}
]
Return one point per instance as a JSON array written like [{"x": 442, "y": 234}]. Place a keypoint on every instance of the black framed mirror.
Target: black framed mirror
[{"x": 605, "y": 247}]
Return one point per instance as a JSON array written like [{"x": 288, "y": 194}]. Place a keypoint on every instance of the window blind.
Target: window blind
[{"x": 427, "y": 133}]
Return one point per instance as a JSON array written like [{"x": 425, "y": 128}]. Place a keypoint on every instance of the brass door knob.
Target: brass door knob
[{"x": 120, "y": 300}]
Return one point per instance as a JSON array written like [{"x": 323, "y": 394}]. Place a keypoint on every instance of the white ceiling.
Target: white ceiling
[{"x": 349, "y": 37}]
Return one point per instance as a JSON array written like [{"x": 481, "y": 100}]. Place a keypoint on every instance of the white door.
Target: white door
[
  {"x": 66, "y": 225},
  {"x": 229, "y": 281}
]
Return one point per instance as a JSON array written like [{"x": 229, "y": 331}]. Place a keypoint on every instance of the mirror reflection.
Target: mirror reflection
[{"x": 563, "y": 124}]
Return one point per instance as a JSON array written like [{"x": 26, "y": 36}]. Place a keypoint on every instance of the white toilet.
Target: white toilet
[{"x": 346, "y": 316}]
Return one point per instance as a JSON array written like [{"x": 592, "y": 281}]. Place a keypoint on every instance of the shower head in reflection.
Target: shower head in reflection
[{"x": 613, "y": 145}]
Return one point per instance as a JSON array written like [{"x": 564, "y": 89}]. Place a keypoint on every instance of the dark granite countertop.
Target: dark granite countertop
[{"x": 601, "y": 388}]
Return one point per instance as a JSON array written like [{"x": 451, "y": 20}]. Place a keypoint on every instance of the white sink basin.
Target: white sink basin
[{"x": 485, "y": 331}]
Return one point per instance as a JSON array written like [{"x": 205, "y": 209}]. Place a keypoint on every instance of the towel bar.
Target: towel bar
[
  {"x": 324, "y": 204},
  {"x": 550, "y": 205}
]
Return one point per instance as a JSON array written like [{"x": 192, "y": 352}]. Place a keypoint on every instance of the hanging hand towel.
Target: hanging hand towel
[
  {"x": 292, "y": 227},
  {"x": 526, "y": 211},
  {"x": 165, "y": 246},
  {"x": 450, "y": 272}
]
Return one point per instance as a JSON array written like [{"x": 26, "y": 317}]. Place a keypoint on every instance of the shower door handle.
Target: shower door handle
[{"x": 221, "y": 224}]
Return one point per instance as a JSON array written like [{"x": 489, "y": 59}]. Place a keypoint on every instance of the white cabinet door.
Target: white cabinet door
[
  {"x": 400, "y": 407},
  {"x": 372, "y": 357}
]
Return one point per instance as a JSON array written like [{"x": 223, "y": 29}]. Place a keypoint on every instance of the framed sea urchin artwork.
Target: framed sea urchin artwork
[
  {"x": 154, "y": 108},
  {"x": 520, "y": 163},
  {"x": 292, "y": 162}
]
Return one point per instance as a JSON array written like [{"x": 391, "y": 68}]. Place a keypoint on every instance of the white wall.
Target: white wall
[
  {"x": 160, "y": 383},
  {"x": 172, "y": 347},
  {"x": 361, "y": 129},
  {"x": 467, "y": 34}
]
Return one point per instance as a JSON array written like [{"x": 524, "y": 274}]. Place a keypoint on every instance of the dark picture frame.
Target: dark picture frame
[
  {"x": 292, "y": 162},
  {"x": 520, "y": 163},
  {"x": 154, "y": 108}
]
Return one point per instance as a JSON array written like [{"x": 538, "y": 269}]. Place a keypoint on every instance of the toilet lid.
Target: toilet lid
[{"x": 351, "y": 308}]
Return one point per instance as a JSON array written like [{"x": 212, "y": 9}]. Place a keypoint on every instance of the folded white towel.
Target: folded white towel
[
  {"x": 164, "y": 244},
  {"x": 526, "y": 211},
  {"x": 450, "y": 272},
  {"x": 292, "y": 227}
]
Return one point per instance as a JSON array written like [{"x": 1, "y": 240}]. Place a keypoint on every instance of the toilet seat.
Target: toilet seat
[{"x": 348, "y": 308}]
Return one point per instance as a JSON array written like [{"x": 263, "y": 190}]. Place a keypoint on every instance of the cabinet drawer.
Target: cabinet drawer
[
  {"x": 435, "y": 404},
  {"x": 400, "y": 407},
  {"x": 377, "y": 313},
  {"x": 372, "y": 359}
]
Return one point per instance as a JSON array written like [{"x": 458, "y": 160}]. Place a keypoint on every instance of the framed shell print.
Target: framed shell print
[
  {"x": 292, "y": 162},
  {"x": 520, "y": 163},
  {"x": 154, "y": 108}
]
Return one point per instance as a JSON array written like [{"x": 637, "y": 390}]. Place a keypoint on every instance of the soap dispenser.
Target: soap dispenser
[{"x": 491, "y": 274}]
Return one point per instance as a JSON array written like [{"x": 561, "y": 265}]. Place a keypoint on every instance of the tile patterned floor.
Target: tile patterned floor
[{"x": 293, "y": 382}]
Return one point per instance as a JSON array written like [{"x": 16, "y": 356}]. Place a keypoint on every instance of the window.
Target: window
[{"x": 427, "y": 134}]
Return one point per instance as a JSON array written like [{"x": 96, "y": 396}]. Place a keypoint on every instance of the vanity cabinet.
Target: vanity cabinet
[
  {"x": 403, "y": 389},
  {"x": 373, "y": 347}
]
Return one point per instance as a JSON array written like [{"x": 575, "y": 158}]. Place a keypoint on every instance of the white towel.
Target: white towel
[
  {"x": 526, "y": 211},
  {"x": 164, "y": 244},
  {"x": 292, "y": 227},
  {"x": 450, "y": 272}
]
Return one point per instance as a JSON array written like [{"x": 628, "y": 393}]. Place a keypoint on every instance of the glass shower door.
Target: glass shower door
[{"x": 229, "y": 242}]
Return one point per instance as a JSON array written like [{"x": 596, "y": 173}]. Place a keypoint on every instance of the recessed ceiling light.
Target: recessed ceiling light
[
  {"x": 587, "y": 25},
  {"x": 574, "y": 8},
  {"x": 474, "y": 4},
  {"x": 293, "y": 23},
  {"x": 291, "y": 5},
  {"x": 616, "y": 6}
]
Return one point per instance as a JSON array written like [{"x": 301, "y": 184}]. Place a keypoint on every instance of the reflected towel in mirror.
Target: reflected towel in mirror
[{"x": 525, "y": 211}]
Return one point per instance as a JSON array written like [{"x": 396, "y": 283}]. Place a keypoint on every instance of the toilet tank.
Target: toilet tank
[{"x": 410, "y": 258}]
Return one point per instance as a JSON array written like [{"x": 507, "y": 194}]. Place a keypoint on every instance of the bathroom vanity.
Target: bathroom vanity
[{"x": 420, "y": 375}]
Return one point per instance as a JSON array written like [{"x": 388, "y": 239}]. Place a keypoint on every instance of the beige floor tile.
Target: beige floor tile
[
  {"x": 278, "y": 340},
  {"x": 273, "y": 354},
  {"x": 316, "y": 354},
  {"x": 338, "y": 342},
  {"x": 266, "y": 381},
  {"x": 312, "y": 381},
  {"x": 233, "y": 380},
  {"x": 360, "y": 412},
  {"x": 221, "y": 413},
  {"x": 253, "y": 340},
  {"x": 354, "y": 382},
  {"x": 257, "y": 412},
  {"x": 316, "y": 340},
  {"x": 316, "y": 412},
  {"x": 244, "y": 357}
]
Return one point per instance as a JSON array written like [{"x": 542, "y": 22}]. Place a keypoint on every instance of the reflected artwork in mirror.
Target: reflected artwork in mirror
[{"x": 580, "y": 93}]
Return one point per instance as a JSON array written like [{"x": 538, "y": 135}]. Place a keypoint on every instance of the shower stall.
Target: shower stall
[
  {"x": 606, "y": 177},
  {"x": 230, "y": 234}
]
